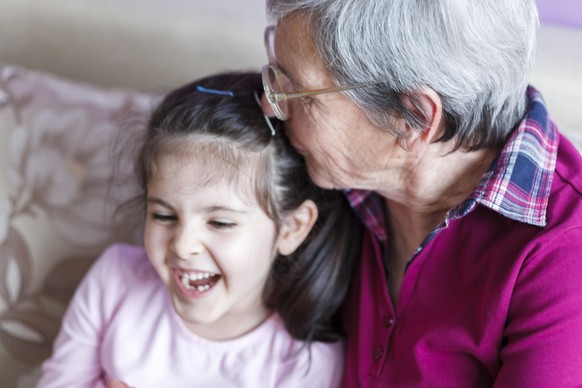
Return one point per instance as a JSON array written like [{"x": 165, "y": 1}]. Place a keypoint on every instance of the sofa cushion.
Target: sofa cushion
[{"x": 66, "y": 168}]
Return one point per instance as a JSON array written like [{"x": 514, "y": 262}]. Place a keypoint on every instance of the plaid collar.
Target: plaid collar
[{"x": 517, "y": 185}]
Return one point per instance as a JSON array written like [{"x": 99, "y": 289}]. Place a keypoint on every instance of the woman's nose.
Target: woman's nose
[
  {"x": 266, "y": 107},
  {"x": 187, "y": 243}
]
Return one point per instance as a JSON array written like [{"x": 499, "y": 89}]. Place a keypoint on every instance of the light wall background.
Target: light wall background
[
  {"x": 150, "y": 45},
  {"x": 561, "y": 12},
  {"x": 558, "y": 69}
]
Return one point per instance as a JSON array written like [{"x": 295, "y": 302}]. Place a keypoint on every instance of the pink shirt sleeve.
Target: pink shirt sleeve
[{"x": 75, "y": 359}]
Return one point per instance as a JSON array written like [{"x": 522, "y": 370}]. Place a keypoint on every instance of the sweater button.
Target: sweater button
[
  {"x": 378, "y": 352},
  {"x": 388, "y": 321}
]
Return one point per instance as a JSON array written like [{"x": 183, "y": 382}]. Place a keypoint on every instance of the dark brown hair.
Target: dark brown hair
[{"x": 307, "y": 287}]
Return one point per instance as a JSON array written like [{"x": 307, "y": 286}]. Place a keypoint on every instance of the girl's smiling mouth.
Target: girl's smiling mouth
[{"x": 196, "y": 280}]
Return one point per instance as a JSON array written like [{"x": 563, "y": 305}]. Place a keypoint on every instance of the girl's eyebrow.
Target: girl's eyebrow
[
  {"x": 224, "y": 208},
  {"x": 158, "y": 201},
  {"x": 214, "y": 208}
]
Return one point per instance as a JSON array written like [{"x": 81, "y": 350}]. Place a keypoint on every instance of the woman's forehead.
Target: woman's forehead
[{"x": 296, "y": 54}]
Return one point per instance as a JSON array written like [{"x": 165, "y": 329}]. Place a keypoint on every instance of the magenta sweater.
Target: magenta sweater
[{"x": 488, "y": 301}]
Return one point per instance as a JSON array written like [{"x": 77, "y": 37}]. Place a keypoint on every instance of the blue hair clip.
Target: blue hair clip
[
  {"x": 214, "y": 91},
  {"x": 231, "y": 94}
]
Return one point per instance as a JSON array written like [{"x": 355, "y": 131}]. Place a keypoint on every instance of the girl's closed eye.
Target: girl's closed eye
[
  {"x": 222, "y": 224},
  {"x": 163, "y": 217}
]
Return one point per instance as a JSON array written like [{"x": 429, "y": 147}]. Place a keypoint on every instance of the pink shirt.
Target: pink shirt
[
  {"x": 121, "y": 324},
  {"x": 494, "y": 296}
]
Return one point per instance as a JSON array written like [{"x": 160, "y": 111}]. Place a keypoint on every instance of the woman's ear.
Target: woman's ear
[
  {"x": 296, "y": 226},
  {"x": 427, "y": 106}
]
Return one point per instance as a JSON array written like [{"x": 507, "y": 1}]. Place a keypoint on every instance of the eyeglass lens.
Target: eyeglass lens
[{"x": 278, "y": 104}]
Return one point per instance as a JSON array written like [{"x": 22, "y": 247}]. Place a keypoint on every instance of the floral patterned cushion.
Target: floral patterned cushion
[{"x": 65, "y": 169}]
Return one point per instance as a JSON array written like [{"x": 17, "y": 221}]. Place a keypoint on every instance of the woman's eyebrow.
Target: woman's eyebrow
[{"x": 297, "y": 85}]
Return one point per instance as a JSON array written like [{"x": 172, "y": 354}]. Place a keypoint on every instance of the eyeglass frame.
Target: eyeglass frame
[{"x": 274, "y": 97}]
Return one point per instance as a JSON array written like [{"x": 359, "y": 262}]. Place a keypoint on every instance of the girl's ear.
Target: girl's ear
[{"x": 296, "y": 226}]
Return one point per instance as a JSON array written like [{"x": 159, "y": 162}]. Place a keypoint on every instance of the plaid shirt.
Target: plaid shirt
[{"x": 517, "y": 185}]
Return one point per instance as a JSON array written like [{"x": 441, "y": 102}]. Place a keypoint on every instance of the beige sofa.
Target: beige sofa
[{"x": 76, "y": 78}]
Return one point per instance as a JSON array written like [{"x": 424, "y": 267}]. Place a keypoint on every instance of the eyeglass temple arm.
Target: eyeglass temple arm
[{"x": 289, "y": 96}]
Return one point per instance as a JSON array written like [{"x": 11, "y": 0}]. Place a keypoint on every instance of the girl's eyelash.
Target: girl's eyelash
[
  {"x": 171, "y": 218},
  {"x": 222, "y": 224},
  {"x": 163, "y": 217}
]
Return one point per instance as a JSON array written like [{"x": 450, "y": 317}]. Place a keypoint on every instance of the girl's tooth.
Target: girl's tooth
[
  {"x": 203, "y": 288},
  {"x": 186, "y": 278},
  {"x": 196, "y": 276},
  {"x": 185, "y": 281}
]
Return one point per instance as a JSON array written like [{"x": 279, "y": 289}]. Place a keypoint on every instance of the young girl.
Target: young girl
[{"x": 224, "y": 294}]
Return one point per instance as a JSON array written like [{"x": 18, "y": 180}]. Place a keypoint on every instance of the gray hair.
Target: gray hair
[{"x": 475, "y": 54}]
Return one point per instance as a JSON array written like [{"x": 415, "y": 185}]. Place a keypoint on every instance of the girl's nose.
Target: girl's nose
[{"x": 187, "y": 243}]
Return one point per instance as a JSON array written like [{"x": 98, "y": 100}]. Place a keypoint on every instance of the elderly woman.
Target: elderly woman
[{"x": 420, "y": 111}]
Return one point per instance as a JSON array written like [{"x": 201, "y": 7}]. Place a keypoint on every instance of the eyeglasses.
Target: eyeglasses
[{"x": 274, "y": 82}]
